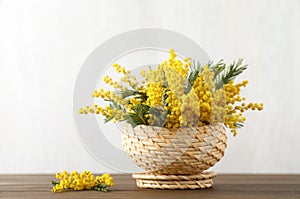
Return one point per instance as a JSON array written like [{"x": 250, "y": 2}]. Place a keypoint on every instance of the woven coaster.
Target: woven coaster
[{"x": 160, "y": 181}]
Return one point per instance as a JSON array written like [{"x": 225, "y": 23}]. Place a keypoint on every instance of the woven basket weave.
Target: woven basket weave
[
  {"x": 187, "y": 150},
  {"x": 154, "y": 181}
]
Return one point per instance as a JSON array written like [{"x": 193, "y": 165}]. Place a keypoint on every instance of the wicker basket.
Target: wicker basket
[{"x": 184, "y": 151}]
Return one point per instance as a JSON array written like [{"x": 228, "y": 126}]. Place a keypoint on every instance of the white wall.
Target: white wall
[{"x": 44, "y": 43}]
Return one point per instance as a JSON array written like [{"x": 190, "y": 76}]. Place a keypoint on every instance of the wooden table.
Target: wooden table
[{"x": 225, "y": 186}]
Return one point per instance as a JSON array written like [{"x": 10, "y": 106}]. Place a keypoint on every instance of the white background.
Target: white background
[{"x": 44, "y": 43}]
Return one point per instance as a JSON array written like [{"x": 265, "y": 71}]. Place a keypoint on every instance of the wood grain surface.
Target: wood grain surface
[{"x": 225, "y": 186}]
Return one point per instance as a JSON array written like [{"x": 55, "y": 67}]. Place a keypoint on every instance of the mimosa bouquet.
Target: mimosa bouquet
[{"x": 176, "y": 93}]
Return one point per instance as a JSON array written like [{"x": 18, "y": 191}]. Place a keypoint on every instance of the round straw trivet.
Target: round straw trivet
[{"x": 160, "y": 181}]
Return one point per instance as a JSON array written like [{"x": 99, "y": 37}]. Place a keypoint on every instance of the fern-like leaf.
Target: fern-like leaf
[
  {"x": 231, "y": 72},
  {"x": 138, "y": 115},
  {"x": 192, "y": 76}
]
